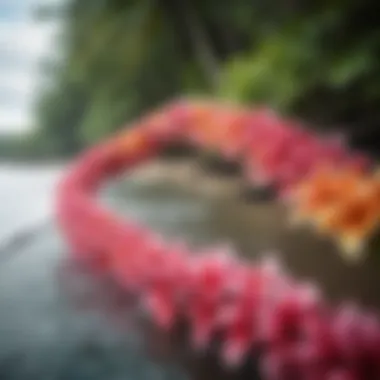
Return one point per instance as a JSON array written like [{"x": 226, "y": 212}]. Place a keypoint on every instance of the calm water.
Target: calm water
[
  {"x": 59, "y": 322},
  {"x": 26, "y": 195}
]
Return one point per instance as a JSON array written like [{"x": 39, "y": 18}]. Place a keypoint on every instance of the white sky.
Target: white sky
[{"x": 23, "y": 43}]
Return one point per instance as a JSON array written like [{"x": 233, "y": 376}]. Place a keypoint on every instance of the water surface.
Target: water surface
[{"x": 58, "y": 321}]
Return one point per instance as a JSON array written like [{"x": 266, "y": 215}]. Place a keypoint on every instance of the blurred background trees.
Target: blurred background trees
[{"x": 316, "y": 60}]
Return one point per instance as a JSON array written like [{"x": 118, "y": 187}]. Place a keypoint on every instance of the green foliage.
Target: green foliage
[
  {"x": 351, "y": 66},
  {"x": 124, "y": 57},
  {"x": 275, "y": 73}
]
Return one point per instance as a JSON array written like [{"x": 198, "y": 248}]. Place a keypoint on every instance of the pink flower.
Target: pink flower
[
  {"x": 170, "y": 123},
  {"x": 341, "y": 374},
  {"x": 167, "y": 285},
  {"x": 211, "y": 285},
  {"x": 127, "y": 257},
  {"x": 296, "y": 333},
  {"x": 241, "y": 325}
]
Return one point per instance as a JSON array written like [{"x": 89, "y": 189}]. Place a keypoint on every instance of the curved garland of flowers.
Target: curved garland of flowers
[{"x": 257, "y": 309}]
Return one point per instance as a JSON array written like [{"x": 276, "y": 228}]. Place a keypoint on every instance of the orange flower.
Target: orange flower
[
  {"x": 204, "y": 125},
  {"x": 133, "y": 141},
  {"x": 232, "y": 129},
  {"x": 317, "y": 196},
  {"x": 355, "y": 218}
]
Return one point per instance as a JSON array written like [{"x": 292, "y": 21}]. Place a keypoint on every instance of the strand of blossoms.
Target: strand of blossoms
[{"x": 257, "y": 309}]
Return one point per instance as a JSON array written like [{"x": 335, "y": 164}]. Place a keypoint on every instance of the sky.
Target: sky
[{"x": 24, "y": 42}]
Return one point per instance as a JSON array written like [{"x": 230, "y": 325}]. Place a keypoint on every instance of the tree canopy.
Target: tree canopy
[{"x": 121, "y": 58}]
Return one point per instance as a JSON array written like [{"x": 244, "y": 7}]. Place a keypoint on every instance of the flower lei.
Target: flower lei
[{"x": 255, "y": 308}]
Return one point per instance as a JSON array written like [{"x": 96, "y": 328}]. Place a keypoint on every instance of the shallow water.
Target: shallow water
[
  {"x": 26, "y": 195},
  {"x": 58, "y": 321},
  {"x": 255, "y": 228}
]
